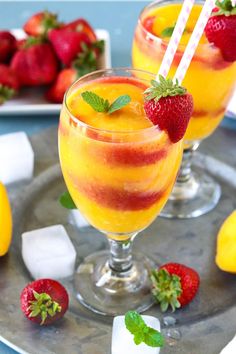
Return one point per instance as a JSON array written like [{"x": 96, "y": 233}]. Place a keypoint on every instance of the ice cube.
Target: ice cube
[
  {"x": 77, "y": 219},
  {"x": 48, "y": 252},
  {"x": 16, "y": 158},
  {"x": 122, "y": 339},
  {"x": 230, "y": 348}
]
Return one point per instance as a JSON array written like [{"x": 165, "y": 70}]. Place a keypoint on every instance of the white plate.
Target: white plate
[{"x": 31, "y": 100}]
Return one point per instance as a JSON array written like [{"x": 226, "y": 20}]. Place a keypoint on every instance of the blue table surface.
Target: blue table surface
[{"x": 117, "y": 17}]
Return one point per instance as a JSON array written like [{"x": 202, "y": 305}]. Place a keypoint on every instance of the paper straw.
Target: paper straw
[
  {"x": 194, "y": 40},
  {"x": 175, "y": 38}
]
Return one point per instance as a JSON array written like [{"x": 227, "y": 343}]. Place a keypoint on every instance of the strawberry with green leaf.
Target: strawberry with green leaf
[
  {"x": 169, "y": 106},
  {"x": 221, "y": 29},
  {"x": 85, "y": 63},
  {"x": 41, "y": 23},
  {"x": 174, "y": 285},
  {"x": 44, "y": 301},
  {"x": 35, "y": 63},
  {"x": 9, "y": 83}
]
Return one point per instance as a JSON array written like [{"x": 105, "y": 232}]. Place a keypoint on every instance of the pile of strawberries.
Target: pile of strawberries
[{"x": 53, "y": 53}]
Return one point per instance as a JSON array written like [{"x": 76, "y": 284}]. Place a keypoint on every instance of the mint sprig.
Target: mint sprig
[
  {"x": 142, "y": 333},
  {"x": 168, "y": 31},
  {"x": 100, "y": 104},
  {"x": 66, "y": 201}
]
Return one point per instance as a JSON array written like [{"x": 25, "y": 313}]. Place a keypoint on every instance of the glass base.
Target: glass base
[
  {"x": 107, "y": 292},
  {"x": 192, "y": 198}
]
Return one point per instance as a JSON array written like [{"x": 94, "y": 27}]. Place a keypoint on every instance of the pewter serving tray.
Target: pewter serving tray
[{"x": 203, "y": 327}]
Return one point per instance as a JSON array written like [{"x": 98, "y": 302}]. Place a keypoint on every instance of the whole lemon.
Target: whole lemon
[{"x": 5, "y": 221}]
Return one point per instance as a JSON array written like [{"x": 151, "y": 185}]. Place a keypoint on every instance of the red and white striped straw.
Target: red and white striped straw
[
  {"x": 175, "y": 38},
  {"x": 194, "y": 40}
]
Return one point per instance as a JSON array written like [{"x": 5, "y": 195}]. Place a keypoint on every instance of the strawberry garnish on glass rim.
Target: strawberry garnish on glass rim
[
  {"x": 221, "y": 29},
  {"x": 170, "y": 106}
]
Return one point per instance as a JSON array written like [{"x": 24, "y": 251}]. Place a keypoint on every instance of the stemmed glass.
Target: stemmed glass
[
  {"x": 210, "y": 80},
  {"x": 120, "y": 180}
]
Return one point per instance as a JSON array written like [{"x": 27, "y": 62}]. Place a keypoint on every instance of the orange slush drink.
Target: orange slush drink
[
  {"x": 119, "y": 168},
  {"x": 209, "y": 79}
]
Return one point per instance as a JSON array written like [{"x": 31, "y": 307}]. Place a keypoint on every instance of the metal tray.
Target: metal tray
[{"x": 203, "y": 327}]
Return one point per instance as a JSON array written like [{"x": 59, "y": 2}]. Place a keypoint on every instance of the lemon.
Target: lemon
[
  {"x": 5, "y": 221},
  {"x": 226, "y": 245}
]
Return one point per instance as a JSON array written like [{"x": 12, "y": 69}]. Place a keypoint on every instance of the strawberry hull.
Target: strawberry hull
[{"x": 54, "y": 289}]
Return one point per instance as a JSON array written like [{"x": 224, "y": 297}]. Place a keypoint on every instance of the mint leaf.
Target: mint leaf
[
  {"x": 66, "y": 201},
  {"x": 119, "y": 103},
  {"x": 96, "y": 102},
  {"x": 134, "y": 322},
  {"x": 153, "y": 338},
  {"x": 168, "y": 31},
  {"x": 100, "y": 104},
  {"x": 138, "y": 338},
  {"x": 142, "y": 333}
]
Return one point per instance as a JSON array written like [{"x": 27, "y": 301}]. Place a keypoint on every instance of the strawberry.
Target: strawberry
[
  {"x": 82, "y": 26},
  {"x": 67, "y": 44},
  {"x": 44, "y": 301},
  {"x": 7, "y": 46},
  {"x": 65, "y": 79},
  {"x": 169, "y": 106},
  {"x": 174, "y": 284},
  {"x": 85, "y": 62},
  {"x": 148, "y": 23},
  {"x": 9, "y": 83},
  {"x": 39, "y": 24},
  {"x": 221, "y": 29},
  {"x": 35, "y": 64}
]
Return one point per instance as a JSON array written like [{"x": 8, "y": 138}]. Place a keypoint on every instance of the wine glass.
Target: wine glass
[
  {"x": 119, "y": 179},
  {"x": 211, "y": 81}
]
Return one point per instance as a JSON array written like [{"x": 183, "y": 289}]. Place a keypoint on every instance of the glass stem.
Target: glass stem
[
  {"x": 121, "y": 255},
  {"x": 185, "y": 172}
]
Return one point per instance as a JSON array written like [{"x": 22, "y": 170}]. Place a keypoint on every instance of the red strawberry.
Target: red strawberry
[
  {"x": 9, "y": 83},
  {"x": 35, "y": 64},
  {"x": 21, "y": 43},
  {"x": 68, "y": 44},
  {"x": 44, "y": 301},
  {"x": 65, "y": 78},
  {"x": 7, "y": 46},
  {"x": 148, "y": 23},
  {"x": 82, "y": 26},
  {"x": 221, "y": 29},
  {"x": 40, "y": 23},
  {"x": 174, "y": 284},
  {"x": 85, "y": 62},
  {"x": 169, "y": 106}
]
